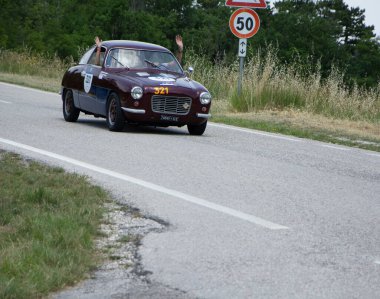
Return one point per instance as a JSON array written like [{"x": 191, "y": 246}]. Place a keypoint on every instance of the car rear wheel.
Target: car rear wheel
[
  {"x": 70, "y": 112},
  {"x": 115, "y": 117},
  {"x": 197, "y": 129}
]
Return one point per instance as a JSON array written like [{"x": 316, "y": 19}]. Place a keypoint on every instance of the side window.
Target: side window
[
  {"x": 92, "y": 59},
  {"x": 86, "y": 56}
]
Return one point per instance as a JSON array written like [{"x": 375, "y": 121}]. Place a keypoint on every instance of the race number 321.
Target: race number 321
[
  {"x": 244, "y": 23},
  {"x": 161, "y": 90}
]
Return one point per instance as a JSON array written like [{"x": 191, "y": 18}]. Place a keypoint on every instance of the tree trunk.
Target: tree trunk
[{"x": 136, "y": 5}]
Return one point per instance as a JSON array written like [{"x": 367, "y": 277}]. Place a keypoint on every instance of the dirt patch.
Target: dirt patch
[{"x": 7, "y": 229}]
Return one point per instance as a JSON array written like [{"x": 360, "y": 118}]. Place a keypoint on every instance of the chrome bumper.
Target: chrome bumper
[
  {"x": 135, "y": 111},
  {"x": 202, "y": 115}
]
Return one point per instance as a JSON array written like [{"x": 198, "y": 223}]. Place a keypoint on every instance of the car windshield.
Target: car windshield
[{"x": 140, "y": 59}]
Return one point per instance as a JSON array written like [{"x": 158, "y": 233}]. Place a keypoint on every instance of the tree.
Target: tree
[
  {"x": 329, "y": 31},
  {"x": 299, "y": 31},
  {"x": 359, "y": 50},
  {"x": 326, "y": 31}
]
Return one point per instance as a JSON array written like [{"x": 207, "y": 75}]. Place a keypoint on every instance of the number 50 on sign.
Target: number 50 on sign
[{"x": 244, "y": 23}]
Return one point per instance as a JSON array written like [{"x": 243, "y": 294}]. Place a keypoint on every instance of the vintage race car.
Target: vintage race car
[{"x": 135, "y": 82}]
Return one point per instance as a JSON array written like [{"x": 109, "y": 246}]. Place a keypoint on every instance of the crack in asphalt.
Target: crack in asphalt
[{"x": 122, "y": 274}]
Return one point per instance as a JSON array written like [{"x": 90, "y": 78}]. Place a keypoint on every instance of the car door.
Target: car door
[
  {"x": 91, "y": 92},
  {"x": 87, "y": 93}
]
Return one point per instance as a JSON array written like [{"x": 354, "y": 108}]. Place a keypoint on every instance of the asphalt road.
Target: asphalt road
[{"x": 251, "y": 214}]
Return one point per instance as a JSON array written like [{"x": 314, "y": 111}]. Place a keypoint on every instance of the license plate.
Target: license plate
[{"x": 169, "y": 118}]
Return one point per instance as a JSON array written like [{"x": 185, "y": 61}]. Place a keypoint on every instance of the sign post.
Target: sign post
[
  {"x": 242, "y": 47},
  {"x": 244, "y": 23},
  {"x": 241, "y": 53}
]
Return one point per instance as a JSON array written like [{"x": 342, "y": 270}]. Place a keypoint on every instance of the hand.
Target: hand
[
  {"x": 178, "y": 40},
  {"x": 98, "y": 42}
]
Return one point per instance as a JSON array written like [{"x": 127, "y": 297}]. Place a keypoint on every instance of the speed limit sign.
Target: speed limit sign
[{"x": 244, "y": 23}]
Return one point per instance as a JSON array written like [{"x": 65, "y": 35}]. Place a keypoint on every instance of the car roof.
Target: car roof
[{"x": 133, "y": 45}]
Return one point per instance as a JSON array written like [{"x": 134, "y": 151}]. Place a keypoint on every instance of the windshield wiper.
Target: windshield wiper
[
  {"x": 118, "y": 62},
  {"x": 152, "y": 63},
  {"x": 155, "y": 65},
  {"x": 162, "y": 65}
]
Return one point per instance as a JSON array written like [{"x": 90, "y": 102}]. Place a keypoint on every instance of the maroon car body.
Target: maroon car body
[{"x": 137, "y": 83}]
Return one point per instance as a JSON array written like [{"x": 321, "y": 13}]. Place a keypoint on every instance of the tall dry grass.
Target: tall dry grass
[
  {"x": 268, "y": 84},
  {"x": 25, "y": 62}
]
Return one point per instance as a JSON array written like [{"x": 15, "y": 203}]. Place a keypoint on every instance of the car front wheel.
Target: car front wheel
[
  {"x": 70, "y": 112},
  {"x": 115, "y": 117},
  {"x": 197, "y": 129}
]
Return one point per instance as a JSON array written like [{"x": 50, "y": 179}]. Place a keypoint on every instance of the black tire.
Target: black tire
[
  {"x": 70, "y": 112},
  {"x": 197, "y": 129},
  {"x": 115, "y": 117}
]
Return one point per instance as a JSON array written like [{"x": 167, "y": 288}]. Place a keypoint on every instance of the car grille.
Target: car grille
[{"x": 171, "y": 105}]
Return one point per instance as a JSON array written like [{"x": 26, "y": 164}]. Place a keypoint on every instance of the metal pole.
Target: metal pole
[{"x": 241, "y": 69}]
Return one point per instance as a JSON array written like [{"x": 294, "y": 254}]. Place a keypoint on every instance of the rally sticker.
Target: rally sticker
[
  {"x": 162, "y": 79},
  {"x": 88, "y": 82}
]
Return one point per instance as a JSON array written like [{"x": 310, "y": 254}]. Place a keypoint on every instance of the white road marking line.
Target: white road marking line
[
  {"x": 251, "y": 131},
  {"x": 374, "y": 155},
  {"x": 377, "y": 262},
  {"x": 5, "y": 102},
  {"x": 335, "y": 147},
  {"x": 148, "y": 185}
]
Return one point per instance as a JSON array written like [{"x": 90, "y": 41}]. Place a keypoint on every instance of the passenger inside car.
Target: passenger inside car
[
  {"x": 119, "y": 58},
  {"x": 98, "y": 58}
]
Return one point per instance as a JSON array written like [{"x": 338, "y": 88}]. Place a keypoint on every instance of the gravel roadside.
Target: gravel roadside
[{"x": 121, "y": 275}]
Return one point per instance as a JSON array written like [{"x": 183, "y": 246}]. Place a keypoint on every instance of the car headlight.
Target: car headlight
[
  {"x": 137, "y": 92},
  {"x": 205, "y": 98}
]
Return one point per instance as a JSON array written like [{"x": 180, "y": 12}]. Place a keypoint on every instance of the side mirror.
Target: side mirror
[{"x": 189, "y": 71}]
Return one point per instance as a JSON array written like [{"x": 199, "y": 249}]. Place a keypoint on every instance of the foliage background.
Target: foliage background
[{"x": 325, "y": 33}]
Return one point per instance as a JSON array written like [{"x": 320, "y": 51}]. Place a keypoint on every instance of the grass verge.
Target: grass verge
[
  {"x": 48, "y": 222},
  {"x": 39, "y": 82},
  {"x": 363, "y": 135}
]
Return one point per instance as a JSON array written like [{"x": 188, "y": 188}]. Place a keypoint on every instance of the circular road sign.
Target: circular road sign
[{"x": 244, "y": 23}]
